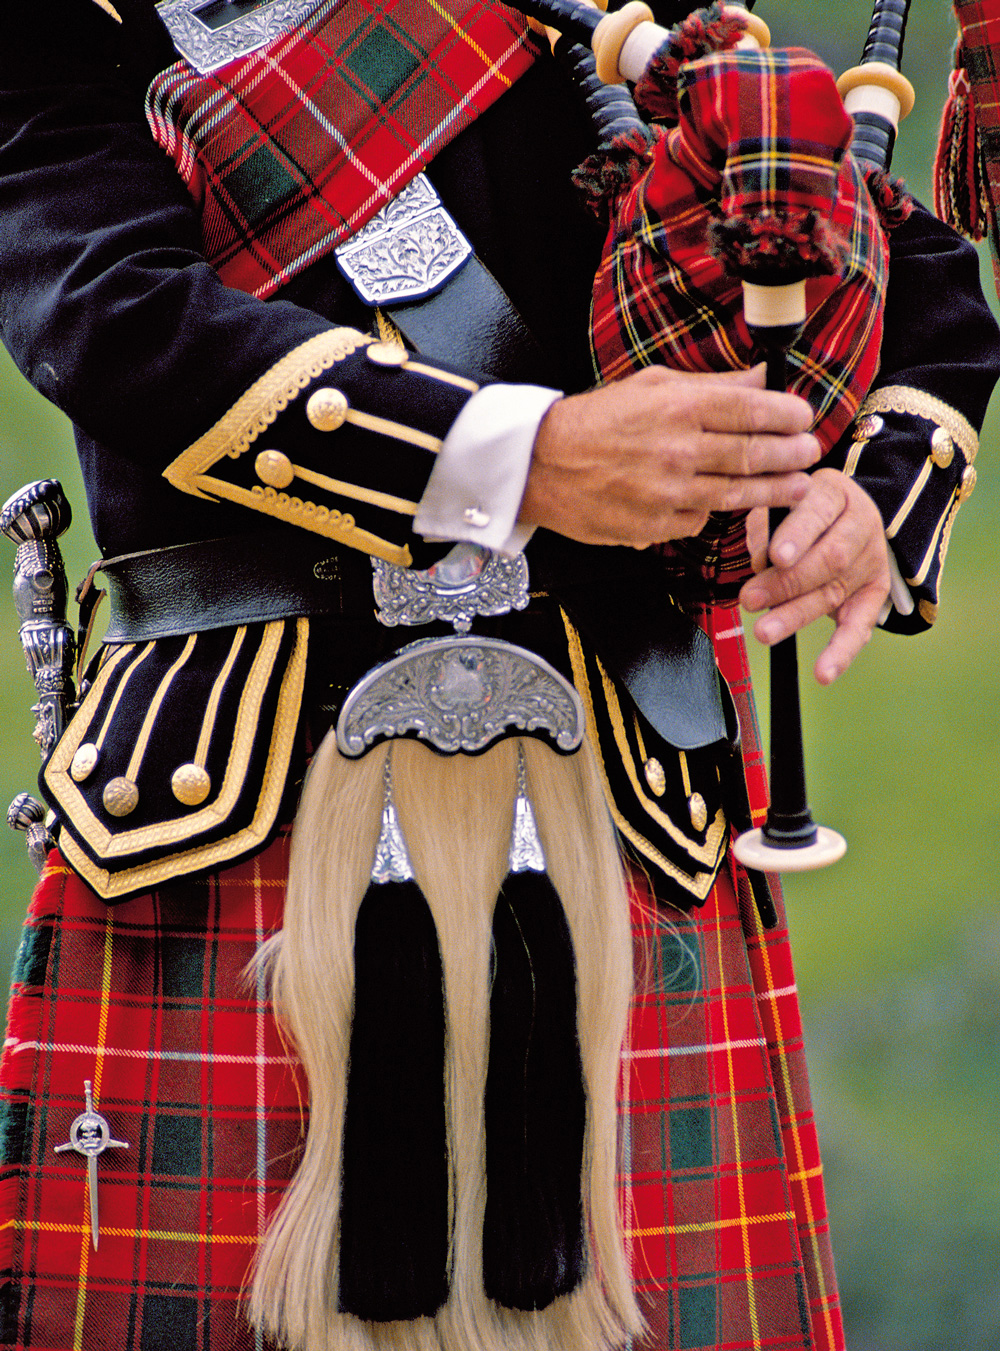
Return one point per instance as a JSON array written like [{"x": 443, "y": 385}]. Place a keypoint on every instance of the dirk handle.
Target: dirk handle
[
  {"x": 34, "y": 518},
  {"x": 26, "y": 813}
]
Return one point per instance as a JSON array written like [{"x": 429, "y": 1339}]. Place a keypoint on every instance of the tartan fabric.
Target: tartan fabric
[
  {"x": 147, "y": 1000},
  {"x": 977, "y": 75},
  {"x": 726, "y": 1216},
  {"x": 289, "y": 151},
  {"x": 724, "y": 625},
  {"x": 721, "y": 1182},
  {"x": 662, "y": 296}
]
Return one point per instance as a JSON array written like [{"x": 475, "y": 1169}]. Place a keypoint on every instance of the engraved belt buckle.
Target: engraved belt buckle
[
  {"x": 211, "y": 33},
  {"x": 407, "y": 251},
  {"x": 468, "y": 581}
]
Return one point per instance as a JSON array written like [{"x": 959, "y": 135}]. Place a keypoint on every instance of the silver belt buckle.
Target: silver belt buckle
[
  {"x": 407, "y": 251},
  {"x": 211, "y": 33},
  {"x": 468, "y": 581},
  {"x": 459, "y": 693}
]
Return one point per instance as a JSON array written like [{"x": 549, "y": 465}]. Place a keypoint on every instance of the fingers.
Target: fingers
[
  {"x": 645, "y": 458},
  {"x": 743, "y": 454},
  {"x": 757, "y": 538},
  {"x": 725, "y": 402},
  {"x": 829, "y": 557},
  {"x": 856, "y": 623}
]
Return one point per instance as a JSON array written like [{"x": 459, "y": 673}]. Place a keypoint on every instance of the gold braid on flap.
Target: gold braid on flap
[
  {"x": 180, "y": 753},
  {"x": 906, "y": 399},
  {"x": 666, "y": 803}
]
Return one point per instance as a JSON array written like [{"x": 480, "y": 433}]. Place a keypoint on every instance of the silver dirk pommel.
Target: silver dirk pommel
[
  {"x": 28, "y": 814},
  {"x": 34, "y": 518}
]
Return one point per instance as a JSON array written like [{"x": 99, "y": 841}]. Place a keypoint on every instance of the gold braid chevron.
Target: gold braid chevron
[
  {"x": 252, "y": 414},
  {"x": 906, "y": 399}
]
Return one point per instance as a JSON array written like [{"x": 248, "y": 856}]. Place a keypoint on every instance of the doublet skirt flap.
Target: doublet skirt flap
[
  {"x": 180, "y": 753},
  {"x": 668, "y": 803}
]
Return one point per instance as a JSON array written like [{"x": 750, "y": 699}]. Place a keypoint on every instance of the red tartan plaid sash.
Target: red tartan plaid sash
[{"x": 289, "y": 151}]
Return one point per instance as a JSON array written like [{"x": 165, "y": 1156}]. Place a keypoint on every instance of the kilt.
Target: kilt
[{"x": 720, "y": 1182}]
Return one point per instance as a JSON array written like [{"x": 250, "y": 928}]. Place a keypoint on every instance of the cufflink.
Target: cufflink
[{"x": 476, "y": 517}]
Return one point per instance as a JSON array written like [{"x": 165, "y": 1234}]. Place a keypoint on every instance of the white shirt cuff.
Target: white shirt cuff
[
  {"x": 899, "y": 598},
  {"x": 477, "y": 483}
]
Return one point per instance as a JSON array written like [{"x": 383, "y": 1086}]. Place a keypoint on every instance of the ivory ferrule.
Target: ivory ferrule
[
  {"x": 774, "y": 306},
  {"x": 876, "y": 87},
  {"x": 640, "y": 47}
]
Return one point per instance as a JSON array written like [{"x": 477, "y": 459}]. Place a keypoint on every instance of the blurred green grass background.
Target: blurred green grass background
[{"x": 898, "y": 946}]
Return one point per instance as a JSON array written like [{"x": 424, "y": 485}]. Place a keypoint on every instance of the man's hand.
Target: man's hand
[
  {"x": 645, "y": 459},
  {"x": 828, "y": 557}
]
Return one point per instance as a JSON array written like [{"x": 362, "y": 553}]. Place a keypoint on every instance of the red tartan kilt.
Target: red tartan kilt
[{"x": 720, "y": 1185}]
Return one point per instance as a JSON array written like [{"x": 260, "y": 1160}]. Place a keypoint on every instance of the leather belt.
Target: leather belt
[
  {"x": 661, "y": 656},
  {"x": 218, "y": 583}
]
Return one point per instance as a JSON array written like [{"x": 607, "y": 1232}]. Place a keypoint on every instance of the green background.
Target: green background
[{"x": 898, "y": 946}]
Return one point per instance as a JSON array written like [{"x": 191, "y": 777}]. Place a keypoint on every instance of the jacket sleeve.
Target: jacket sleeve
[
  {"x": 110, "y": 309},
  {"x": 914, "y": 441}
]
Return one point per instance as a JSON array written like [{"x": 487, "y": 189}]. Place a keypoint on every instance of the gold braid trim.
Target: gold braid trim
[
  {"x": 905, "y": 399},
  {"x": 260, "y": 406}
]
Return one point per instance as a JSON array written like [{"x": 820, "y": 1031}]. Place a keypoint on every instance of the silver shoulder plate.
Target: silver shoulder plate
[
  {"x": 211, "y": 33},
  {"x": 467, "y": 582},
  {"x": 460, "y": 694},
  {"x": 407, "y": 251}
]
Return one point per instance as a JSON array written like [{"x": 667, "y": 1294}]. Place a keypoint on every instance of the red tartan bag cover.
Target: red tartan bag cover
[
  {"x": 290, "y": 150},
  {"x": 754, "y": 179}
]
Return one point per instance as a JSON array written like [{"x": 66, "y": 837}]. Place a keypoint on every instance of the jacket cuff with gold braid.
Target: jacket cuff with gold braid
[
  {"x": 919, "y": 510},
  {"x": 915, "y": 438},
  {"x": 305, "y": 446}
]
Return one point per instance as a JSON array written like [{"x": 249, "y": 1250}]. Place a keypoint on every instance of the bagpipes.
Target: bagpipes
[{"x": 740, "y": 229}]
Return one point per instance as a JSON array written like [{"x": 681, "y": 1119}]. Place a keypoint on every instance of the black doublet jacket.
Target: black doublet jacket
[{"x": 108, "y": 306}]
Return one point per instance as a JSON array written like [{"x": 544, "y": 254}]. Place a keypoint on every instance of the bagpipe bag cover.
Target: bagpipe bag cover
[{"x": 752, "y": 179}]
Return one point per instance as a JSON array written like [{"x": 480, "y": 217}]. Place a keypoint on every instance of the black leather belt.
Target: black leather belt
[{"x": 242, "y": 579}]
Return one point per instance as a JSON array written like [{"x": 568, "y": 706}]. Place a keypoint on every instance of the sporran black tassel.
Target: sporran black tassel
[
  {"x": 394, "y": 1220},
  {"x": 535, "y": 1107}
]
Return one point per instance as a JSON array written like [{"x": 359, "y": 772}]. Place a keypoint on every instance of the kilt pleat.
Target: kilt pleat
[{"x": 721, "y": 1183}]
